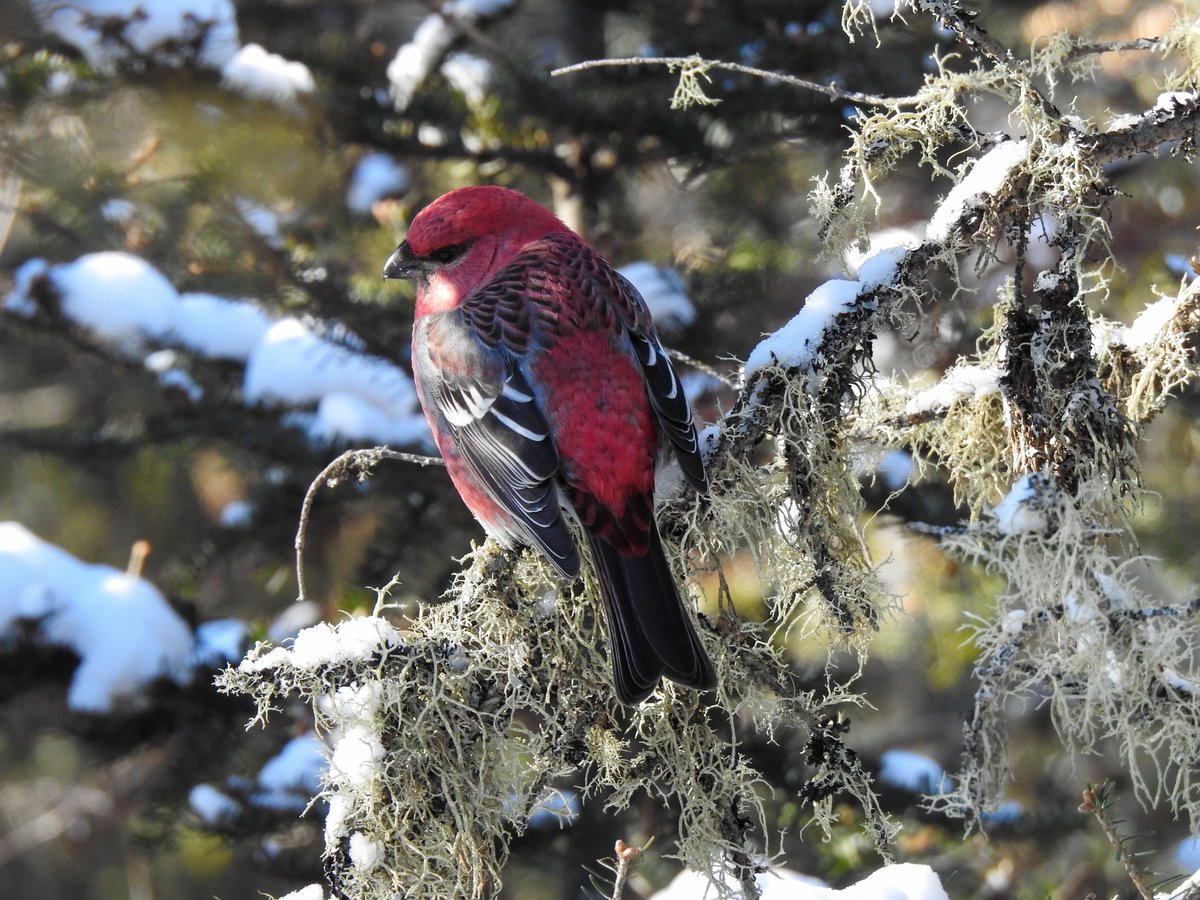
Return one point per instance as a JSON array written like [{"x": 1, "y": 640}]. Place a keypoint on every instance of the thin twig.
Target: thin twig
[
  {"x": 1096, "y": 802},
  {"x": 938, "y": 531},
  {"x": 331, "y": 475},
  {"x": 828, "y": 90},
  {"x": 625, "y": 857},
  {"x": 1154, "y": 43},
  {"x": 680, "y": 356}
]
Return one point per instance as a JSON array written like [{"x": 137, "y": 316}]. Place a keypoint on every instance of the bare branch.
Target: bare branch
[
  {"x": 331, "y": 475},
  {"x": 1081, "y": 50},
  {"x": 829, "y": 91}
]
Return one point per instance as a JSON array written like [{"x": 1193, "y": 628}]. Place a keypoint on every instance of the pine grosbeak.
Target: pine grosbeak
[{"x": 550, "y": 396}]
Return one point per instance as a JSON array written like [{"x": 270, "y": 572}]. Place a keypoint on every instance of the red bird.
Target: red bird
[{"x": 550, "y": 396}]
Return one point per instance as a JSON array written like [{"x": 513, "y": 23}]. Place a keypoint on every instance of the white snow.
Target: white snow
[
  {"x": 118, "y": 210},
  {"x": 376, "y": 176},
  {"x": 123, "y": 299},
  {"x": 291, "y": 778},
  {"x": 219, "y": 642},
  {"x": 1014, "y": 514},
  {"x": 124, "y": 632},
  {"x": 308, "y": 892},
  {"x": 881, "y": 267},
  {"x": 355, "y": 758},
  {"x": 1177, "y": 682},
  {"x": 218, "y": 327},
  {"x": 1007, "y": 812},
  {"x": 985, "y": 177},
  {"x": 236, "y": 514},
  {"x": 959, "y": 383},
  {"x": 884, "y": 239},
  {"x": 346, "y": 417},
  {"x": 895, "y": 467},
  {"x": 470, "y": 10},
  {"x": 1124, "y": 121},
  {"x": 287, "y": 782},
  {"x": 1187, "y": 853},
  {"x": 1013, "y": 621},
  {"x": 263, "y": 220},
  {"x": 1178, "y": 264},
  {"x": 19, "y": 302},
  {"x": 906, "y": 881},
  {"x": 1168, "y": 101},
  {"x": 212, "y": 806},
  {"x": 119, "y": 296},
  {"x": 664, "y": 293},
  {"x": 429, "y": 135},
  {"x": 1150, "y": 323},
  {"x": 1182, "y": 891},
  {"x": 415, "y": 60},
  {"x": 360, "y": 396},
  {"x": 775, "y": 884},
  {"x": 792, "y": 345},
  {"x": 181, "y": 381},
  {"x": 468, "y": 74},
  {"x": 913, "y": 772},
  {"x": 364, "y": 852},
  {"x": 157, "y": 29},
  {"x": 127, "y": 302},
  {"x": 325, "y": 644},
  {"x": 155, "y": 25},
  {"x": 255, "y": 72},
  {"x": 294, "y": 618}
]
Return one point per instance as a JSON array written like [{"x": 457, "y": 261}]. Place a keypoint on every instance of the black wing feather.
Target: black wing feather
[
  {"x": 663, "y": 387},
  {"x": 504, "y": 438}
]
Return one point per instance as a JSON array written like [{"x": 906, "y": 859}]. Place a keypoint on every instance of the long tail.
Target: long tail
[{"x": 649, "y": 632}]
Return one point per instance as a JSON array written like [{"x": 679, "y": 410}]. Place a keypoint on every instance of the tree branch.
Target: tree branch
[{"x": 677, "y": 62}]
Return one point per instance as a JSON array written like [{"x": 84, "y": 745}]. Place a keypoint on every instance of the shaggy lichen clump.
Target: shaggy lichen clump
[{"x": 448, "y": 734}]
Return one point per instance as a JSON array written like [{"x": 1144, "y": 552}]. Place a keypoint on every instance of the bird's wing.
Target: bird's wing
[
  {"x": 666, "y": 394},
  {"x": 499, "y": 429}
]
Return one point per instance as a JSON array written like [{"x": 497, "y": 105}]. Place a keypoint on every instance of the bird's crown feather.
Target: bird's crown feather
[{"x": 469, "y": 213}]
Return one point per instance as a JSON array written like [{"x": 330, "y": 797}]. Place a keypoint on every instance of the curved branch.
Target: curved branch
[{"x": 676, "y": 62}]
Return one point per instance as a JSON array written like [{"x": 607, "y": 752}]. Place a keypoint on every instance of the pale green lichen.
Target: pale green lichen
[
  {"x": 1074, "y": 630},
  {"x": 693, "y": 75},
  {"x": 1182, "y": 42}
]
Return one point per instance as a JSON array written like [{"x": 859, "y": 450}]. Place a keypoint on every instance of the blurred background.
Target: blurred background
[{"x": 285, "y": 181}]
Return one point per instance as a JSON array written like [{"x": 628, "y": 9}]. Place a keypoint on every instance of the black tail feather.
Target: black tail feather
[{"x": 649, "y": 632}]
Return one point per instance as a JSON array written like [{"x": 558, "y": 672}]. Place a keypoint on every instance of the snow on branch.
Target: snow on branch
[
  {"x": 126, "y": 635},
  {"x": 416, "y": 60},
  {"x": 331, "y": 390},
  {"x": 988, "y": 423},
  {"x": 125, "y": 33}
]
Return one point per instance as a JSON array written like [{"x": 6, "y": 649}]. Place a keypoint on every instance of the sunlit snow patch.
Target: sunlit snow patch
[{"x": 124, "y": 631}]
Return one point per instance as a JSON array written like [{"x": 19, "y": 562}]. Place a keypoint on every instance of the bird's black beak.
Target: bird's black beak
[{"x": 402, "y": 264}]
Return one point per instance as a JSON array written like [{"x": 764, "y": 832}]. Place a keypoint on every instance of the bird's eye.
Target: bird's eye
[{"x": 445, "y": 255}]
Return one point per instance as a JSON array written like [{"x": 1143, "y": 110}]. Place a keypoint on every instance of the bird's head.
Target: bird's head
[{"x": 467, "y": 235}]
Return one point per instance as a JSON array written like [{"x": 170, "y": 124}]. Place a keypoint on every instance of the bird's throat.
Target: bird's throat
[{"x": 437, "y": 294}]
